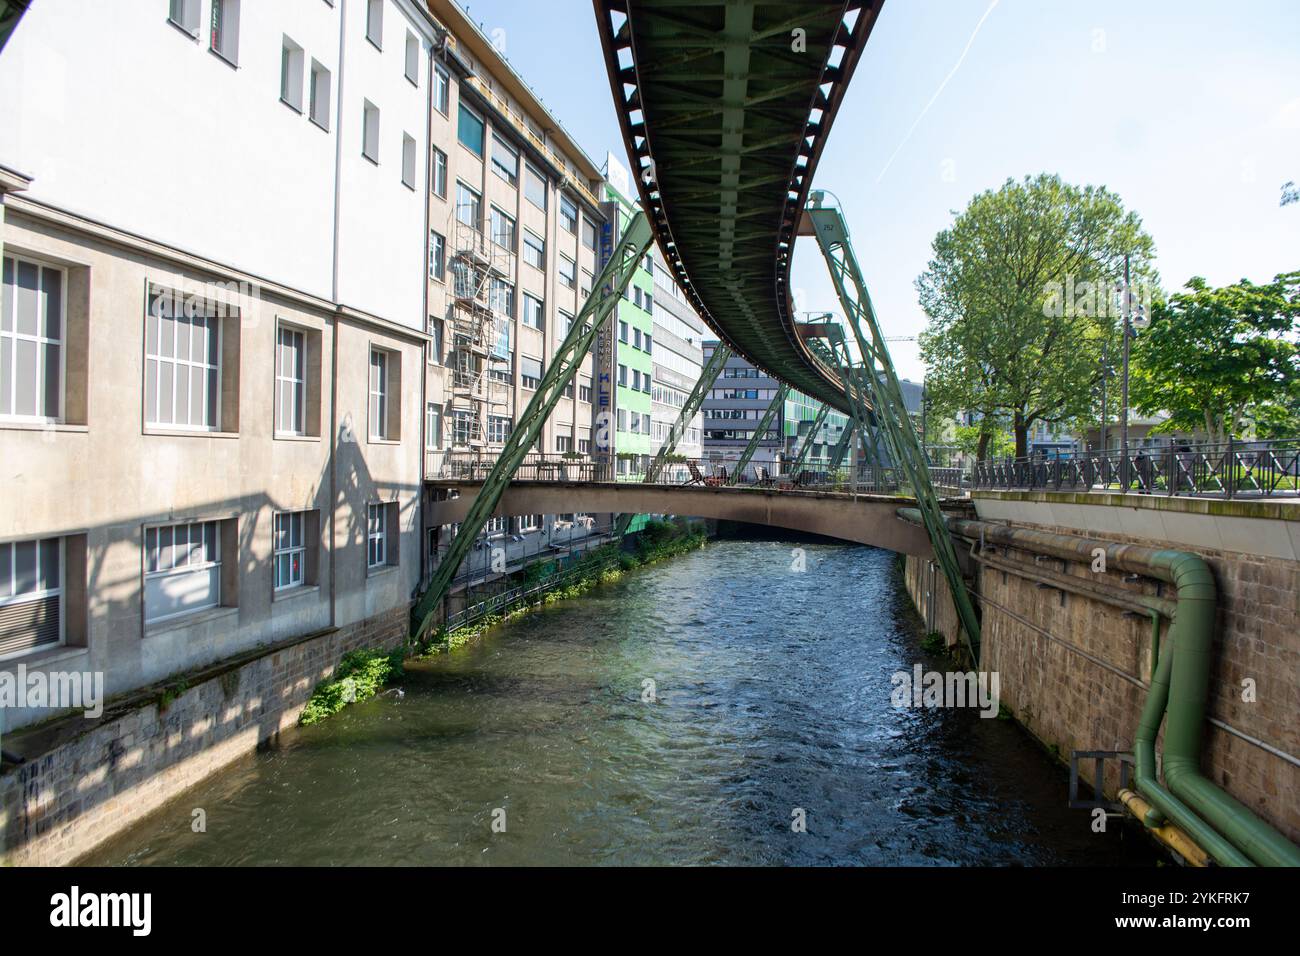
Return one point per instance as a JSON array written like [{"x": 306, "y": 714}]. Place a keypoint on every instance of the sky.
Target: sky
[{"x": 1189, "y": 110}]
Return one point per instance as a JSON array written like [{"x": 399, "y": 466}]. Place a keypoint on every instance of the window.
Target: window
[
  {"x": 408, "y": 160},
  {"x": 31, "y": 595},
  {"x": 439, "y": 173},
  {"x": 182, "y": 569},
  {"x": 441, "y": 90},
  {"x": 649, "y": 304},
  {"x": 535, "y": 187},
  {"x": 636, "y": 296},
  {"x": 534, "y": 250},
  {"x": 505, "y": 160},
  {"x": 378, "y": 394},
  {"x": 565, "y": 324},
  {"x": 370, "y": 132},
  {"x": 530, "y": 523},
  {"x": 533, "y": 311},
  {"x": 463, "y": 428},
  {"x": 568, "y": 271},
  {"x": 501, "y": 297},
  {"x": 31, "y": 340},
  {"x": 584, "y": 393},
  {"x": 622, "y": 332},
  {"x": 494, "y": 526},
  {"x": 636, "y": 380},
  {"x": 636, "y": 338},
  {"x": 182, "y": 361},
  {"x": 375, "y": 22},
  {"x": 569, "y": 214},
  {"x": 432, "y": 427},
  {"x": 290, "y": 381},
  {"x": 469, "y": 205},
  {"x": 645, "y": 382},
  {"x": 530, "y": 372},
  {"x": 648, "y": 349},
  {"x": 435, "y": 346},
  {"x": 469, "y": 130},
  {"x": 498, "y": 429},
  {"x": 376, "y": 535},
  {"x": 318, "y": 108},
  {"x": 503, "y": 229},
  {"x": 622, "y": 375},
  {"x": 412, "y": 58},
  {"x": 588, "y": 233},
  {"x": 584, "y": 446},
  {"x": 225, "y": 30},
  {"x": 289, "y": 554},
  {"x": 437, "y": 256},
  {"x": 291, "y": 61},
  {"x": 185, "y": 14},
  {"x": 563, "y": 443}
]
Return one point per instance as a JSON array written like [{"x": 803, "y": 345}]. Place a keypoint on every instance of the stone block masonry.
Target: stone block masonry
[
  {"x": 1074, "y": 671},
  {"x": 89, "y": 780}
]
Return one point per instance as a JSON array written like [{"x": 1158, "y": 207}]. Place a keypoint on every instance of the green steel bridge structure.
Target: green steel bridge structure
[{"x": 725, "y": 106}]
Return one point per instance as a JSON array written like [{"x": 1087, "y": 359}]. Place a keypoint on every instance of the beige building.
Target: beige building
[{"x": 513, "y": 226}]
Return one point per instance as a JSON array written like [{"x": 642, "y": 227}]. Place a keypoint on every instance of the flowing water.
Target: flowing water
[{"x": 771, "y": 701}]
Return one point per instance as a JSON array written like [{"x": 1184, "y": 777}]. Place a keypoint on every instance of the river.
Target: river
[{"x": 770, "y": 703}]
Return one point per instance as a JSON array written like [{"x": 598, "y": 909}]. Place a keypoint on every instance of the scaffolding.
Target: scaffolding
[{"x": 481, "y": 375}]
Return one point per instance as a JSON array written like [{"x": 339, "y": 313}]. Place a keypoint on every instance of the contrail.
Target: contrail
[{"x": 955, "y": 68}]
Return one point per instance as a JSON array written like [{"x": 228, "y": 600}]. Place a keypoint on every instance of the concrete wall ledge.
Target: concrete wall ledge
[{"x": 1280, "y": 509}]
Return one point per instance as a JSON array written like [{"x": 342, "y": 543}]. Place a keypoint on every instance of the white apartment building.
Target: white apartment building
[{"x": 213, "y": 329}]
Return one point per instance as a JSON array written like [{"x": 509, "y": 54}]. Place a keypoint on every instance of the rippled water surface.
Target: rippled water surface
[{"x": 772, "y": 694}]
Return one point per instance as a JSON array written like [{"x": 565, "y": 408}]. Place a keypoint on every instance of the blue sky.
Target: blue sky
[{"x": 1189, "y": 110}]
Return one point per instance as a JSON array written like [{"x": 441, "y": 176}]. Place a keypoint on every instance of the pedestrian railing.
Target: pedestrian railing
[{"x": 1233, "y": 469}]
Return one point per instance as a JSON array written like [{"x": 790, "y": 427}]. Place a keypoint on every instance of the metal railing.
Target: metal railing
[
  {"x": 1233, "y": 469},
  {"x": 526, "y": 593}
]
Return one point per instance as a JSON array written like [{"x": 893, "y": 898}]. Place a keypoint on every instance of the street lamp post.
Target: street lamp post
[{"x": 1126, "y": 305}]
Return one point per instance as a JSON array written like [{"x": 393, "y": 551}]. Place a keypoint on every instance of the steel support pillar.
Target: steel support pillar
[
  {"x": 606, "y": 292},
  {"x": 708, "y": 375},
  {"x": 832, "y": 233},
  {"x": 801, "y": 458},
  {"x": 760, "y": 433}
]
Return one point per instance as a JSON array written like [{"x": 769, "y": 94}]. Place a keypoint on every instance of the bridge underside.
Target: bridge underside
[
  {"x": 868, "y": 519},
  {"x": 724, "y": 106}
]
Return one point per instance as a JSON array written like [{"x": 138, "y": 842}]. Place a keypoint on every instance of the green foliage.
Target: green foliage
[
  {"x": 171, "y": 693},
  {"x": 1214, "y": 358},
  {"x": 358, "y": 677},
  {"x": 1018, "y": 292},
  {"x": 934, "y": 643},
  {"x": 999, "y": 442}
]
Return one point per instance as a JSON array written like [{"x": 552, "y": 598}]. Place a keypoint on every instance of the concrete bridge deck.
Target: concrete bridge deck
[{"x": 864, "y": 519}]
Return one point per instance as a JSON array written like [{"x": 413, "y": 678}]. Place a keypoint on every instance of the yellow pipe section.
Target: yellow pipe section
[{"x": 1167, "y": 833}]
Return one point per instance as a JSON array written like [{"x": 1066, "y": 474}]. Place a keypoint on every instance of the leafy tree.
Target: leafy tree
[
  {"x": 984, "y": 440},
  {"x": 1019, "y": 292},
  {"x": 1213, "y": 358}
]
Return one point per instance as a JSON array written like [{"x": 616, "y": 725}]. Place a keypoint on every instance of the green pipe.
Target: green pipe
[
  {"x": 1226, "y": 828},
  {"x": 1155, "y": 642}
]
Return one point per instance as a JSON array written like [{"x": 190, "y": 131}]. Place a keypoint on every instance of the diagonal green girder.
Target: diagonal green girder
[
  {"x": 801, "y": 458},
  {"x": 832, "y": 233},
  {"x": 842, "y": 446},
  {"x": 708, "y": 375},
  {"x": 606, "y": 292},
  {"x": 759, "y": 433}
]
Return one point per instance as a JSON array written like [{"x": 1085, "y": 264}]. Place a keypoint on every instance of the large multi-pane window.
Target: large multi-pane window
[
  {"x": 290, "y": 549},
  {"x": 182, "y": 569},
  {"x": 439, "y": 172},
  {"x": 441, "y": 90},
  {"x": 498, "y": 429},
  {"x": 534, "y": 250},
  {"x": 470, "y": 130},
  {"x": 503, "y": 229},
  {"x": 530, "y": 372},
  {"x": 376, "y": 535},
  {"x": 182, "y": 386},
  {"x": 535, "y": 187},
  {"x": 378, "y": 393},
  {"x": 533, "y": 311},
  {"x": 462, "y": 427},
  {"x": 31, "y": 340},
  {"x": 31, "y": 595},
  {"x": 568, "y": 214},
  {"x": 469, "y": 205},
  {"x": 501, "y": 296},
  {"x": 290, "y": 381},
  {"x": 505, "y": 160},
  {"x": 437, "y": 256}
]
